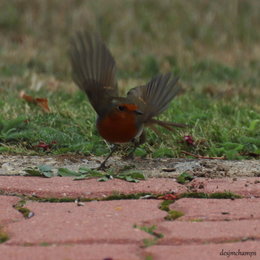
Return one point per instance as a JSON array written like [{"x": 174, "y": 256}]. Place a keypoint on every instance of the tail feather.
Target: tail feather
[{"x": 167, "y": 125}]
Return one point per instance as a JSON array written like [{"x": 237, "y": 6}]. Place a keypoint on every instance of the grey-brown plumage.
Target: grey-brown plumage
[
  {"x": 93, "y": 69},
  {"x": 154, "y": 97},
  {"x": 120, "y": 119}
]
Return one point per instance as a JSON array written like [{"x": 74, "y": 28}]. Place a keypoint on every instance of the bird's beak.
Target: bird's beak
[{"x": 138, "y": 112}]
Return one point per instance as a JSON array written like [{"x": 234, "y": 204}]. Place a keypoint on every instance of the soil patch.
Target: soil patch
[{"x": 163, "y": 167}]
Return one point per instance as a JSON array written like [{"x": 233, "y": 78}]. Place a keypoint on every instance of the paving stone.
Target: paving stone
[
  {"x": 231, "y": 251},
  {"x": 100, "y": 222},
  {"x": 71, "y": 252},
  {"x": 179, "y": 232},
  {"x": 8, "y": 213},
  {"x": 66, "y": 187},
  {"x": 217, "y": 209},
  {"x": 104, "y": 229},
  {"x": 248, "y": 187}
]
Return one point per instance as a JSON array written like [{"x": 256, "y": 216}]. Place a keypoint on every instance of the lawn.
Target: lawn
[{"x": 213, "y": 46}]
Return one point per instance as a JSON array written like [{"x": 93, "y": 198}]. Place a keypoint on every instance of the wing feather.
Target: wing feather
[
  {"x": 93, "y": 69},
  {"x": 154, "y": 97}
]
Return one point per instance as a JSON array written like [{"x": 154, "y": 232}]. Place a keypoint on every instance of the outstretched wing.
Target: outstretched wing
[
  {"x": 154, "y": 97},
  {"x": 94, "y": 69}
]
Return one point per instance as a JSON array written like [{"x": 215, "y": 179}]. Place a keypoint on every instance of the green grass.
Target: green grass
[
  {"x": 218, "y": 69},
  {"x": 172, "y": 214},
  {"x": 3, "y": 236},
  {"x": 216, "y": 195},
  {"x": 147, "y": 242},
  {"x": 218, "y": 127}
]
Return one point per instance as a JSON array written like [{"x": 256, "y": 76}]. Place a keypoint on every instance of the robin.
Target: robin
[{"x": 119, "y": 119}]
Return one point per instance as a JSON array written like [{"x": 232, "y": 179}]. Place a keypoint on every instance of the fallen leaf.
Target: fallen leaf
[
  {"x": 189, "y": 139},
  {"x": 41, "y": 171},
  {"x": 65, "y": 172},
  {"x": 44, "y": 146},
  {"x": 184, "y": 178},
  {"x": 26, "y": 97},
  {"x": 41, "y": 102}
]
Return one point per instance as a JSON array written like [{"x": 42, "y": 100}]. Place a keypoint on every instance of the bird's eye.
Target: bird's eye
[{"x": 121, "y": 108}]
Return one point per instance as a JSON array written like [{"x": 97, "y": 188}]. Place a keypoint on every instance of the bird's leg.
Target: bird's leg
[
  {"x": 136, "y": 142},
  {"x": 103, "y": 166}
]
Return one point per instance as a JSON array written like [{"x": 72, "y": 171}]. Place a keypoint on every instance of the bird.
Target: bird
[{"x": 119, "y": 119}]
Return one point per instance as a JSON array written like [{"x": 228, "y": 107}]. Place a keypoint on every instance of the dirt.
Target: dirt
[{"x": 163, "y": 167}]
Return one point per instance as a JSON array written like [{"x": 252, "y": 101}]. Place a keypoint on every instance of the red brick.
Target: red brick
[
  {"x": 217, "y": 209},
  {"x": 205, "y": 252},
  {"x": 95, "y": 222},
  {"x": 248, "y": 187},
  {"x": 180, "y": 232},
  {"x": 71, "y": 252},
  {"x": 66, "y": 187},
  {"x": 8, "y": 213}
]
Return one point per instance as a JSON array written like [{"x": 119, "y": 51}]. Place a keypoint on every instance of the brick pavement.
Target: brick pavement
[{"x": 125, "y": 228}]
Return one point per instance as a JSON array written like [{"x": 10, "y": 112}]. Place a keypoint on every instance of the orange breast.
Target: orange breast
[{"x": 118, "y": 127}]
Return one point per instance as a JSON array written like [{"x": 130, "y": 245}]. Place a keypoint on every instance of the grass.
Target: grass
[
  {"x": 3, "y": 236},
  {"x": 147, "y": 242},
  {"x": 216, "y": 195},
  {"x": 172, "y": 214},
  {"x": 218, "y": 69}
]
